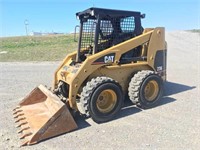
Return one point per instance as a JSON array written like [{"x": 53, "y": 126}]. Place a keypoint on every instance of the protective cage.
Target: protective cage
[
  {"x": 103, "y": 28},
  {"x": 88, "y": 33},
  {"x": 111, "y": 31}
]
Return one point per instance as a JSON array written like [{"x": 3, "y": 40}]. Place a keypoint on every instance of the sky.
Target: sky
[{"x": 59, "y": 15}]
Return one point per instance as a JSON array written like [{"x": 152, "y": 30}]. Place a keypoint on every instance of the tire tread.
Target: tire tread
[
  {"x": 135, "y": 84},
  {"x": 88, "y": 90}
]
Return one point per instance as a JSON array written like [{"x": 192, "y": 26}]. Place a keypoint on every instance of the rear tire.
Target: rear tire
[
  {"x": 145, "y": 89},
  {"x": 101, "y": 99}
]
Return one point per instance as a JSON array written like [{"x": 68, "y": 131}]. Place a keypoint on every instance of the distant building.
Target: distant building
[
  {"x": 43, "y": 33},
  {"x": 35, "y": 33}
]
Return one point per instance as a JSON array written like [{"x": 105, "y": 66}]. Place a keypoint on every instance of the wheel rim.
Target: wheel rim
[
  {"x": 106, "y": 101},
  {"x": 151, "y": 90}
]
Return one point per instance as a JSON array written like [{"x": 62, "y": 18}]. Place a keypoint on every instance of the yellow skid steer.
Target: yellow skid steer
[{"x": 116, "y": 56}]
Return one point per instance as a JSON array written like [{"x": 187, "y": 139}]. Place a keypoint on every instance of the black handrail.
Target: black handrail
[{"x": 77, "y": 26}]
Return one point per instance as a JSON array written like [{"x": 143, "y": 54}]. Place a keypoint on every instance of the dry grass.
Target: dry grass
[{"x": 36, "y": 48}]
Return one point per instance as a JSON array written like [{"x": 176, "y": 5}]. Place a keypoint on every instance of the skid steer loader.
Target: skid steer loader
[{"x": 115, "y": 56}]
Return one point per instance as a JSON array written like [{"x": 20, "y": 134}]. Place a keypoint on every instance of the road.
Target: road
[{"x": 173, "y": 124}]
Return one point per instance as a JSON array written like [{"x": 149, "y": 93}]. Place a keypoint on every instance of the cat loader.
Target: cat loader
[{"x": 115, "y": 57}]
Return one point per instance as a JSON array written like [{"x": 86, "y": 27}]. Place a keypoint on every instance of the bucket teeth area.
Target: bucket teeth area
[
  {"x": 17, "y": 111},
  {"x": 23, "y": 129},
  {"x": 18, "y": 115},
  {"x": 21, "y": 123},
  {"x": 18, "y": 107},
  {"x": 42, "y": 115},
  {"x": 25, "y": 142},
  {"x": 20, "y": 119},
  {"x": 25, "y": 134}
]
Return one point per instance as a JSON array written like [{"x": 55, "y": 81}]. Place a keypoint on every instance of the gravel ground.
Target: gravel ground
[{"x": 174, "y": 124}]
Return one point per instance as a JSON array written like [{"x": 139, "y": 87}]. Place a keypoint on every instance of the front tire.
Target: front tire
[
  {"x": 101, "y": 99},
  {"x": 145, "y": 89},
  {"x": 63, "y": 89}
]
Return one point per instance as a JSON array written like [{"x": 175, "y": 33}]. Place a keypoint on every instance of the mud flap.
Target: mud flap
[{"x": 42, "y": 115}]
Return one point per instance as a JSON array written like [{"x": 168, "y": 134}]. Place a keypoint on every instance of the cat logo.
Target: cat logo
[{"x": 108, "y": 59}]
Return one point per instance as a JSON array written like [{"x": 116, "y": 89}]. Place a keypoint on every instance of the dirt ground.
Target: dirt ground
[{"x": 173, "y": 124}]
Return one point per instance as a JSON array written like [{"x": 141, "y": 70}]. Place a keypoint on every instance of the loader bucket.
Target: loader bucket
[{"x": 42, "y": 115}]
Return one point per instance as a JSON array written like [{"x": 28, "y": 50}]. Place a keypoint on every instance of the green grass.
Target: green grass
[{"x": 36, "y": 48}]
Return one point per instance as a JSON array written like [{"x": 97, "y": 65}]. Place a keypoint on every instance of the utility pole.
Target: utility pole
[
  {"x": 26, "y": 23},
  {"x": 93, "y": 3}
]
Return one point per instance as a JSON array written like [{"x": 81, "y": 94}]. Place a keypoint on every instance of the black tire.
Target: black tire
[
  {"x": 96, "y": 101},
  {"x": 145, "y": 89},
  {"x": 63, "y": 89}
]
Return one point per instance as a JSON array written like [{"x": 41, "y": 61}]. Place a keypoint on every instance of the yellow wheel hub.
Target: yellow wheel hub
[
  {"x": 151, "y": 90},
  {"x": 106, "y": 101}
]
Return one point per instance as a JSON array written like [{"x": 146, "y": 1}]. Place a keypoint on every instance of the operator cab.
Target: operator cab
[{"x": 103, "y": 28}]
